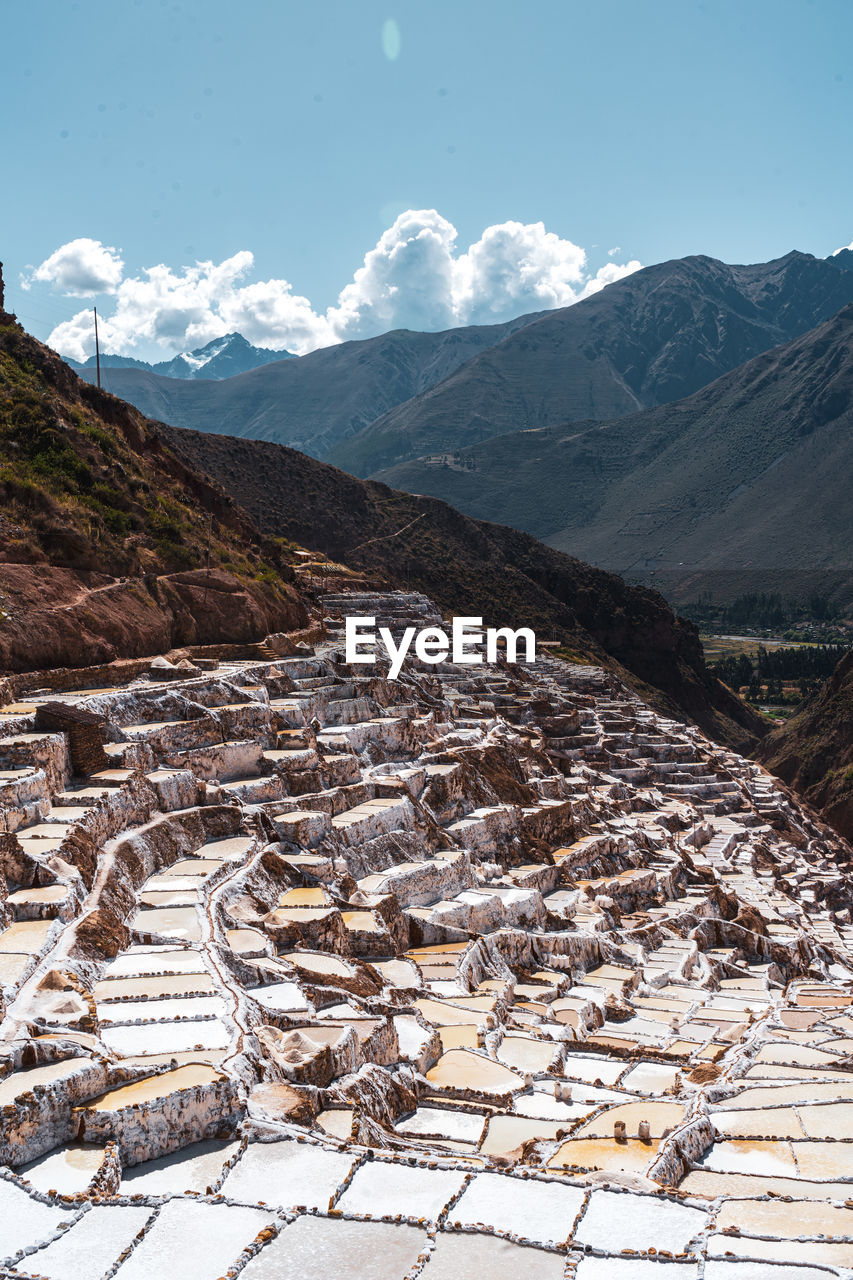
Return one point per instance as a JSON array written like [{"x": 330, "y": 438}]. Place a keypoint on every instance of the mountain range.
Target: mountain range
[
  {"x": 220, "y": 358},
  {"x": 753, "y": 472},
  {"x": 655, "y": 336},
  {"x": 315, "y": 402}
]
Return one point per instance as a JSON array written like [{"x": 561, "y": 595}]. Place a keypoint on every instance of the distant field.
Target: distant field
[{"x": 717, "y": 647}]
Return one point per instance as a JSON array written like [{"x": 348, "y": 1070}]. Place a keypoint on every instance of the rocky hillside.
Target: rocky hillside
[
  {"x": 657, "y": 336},
  {"x": 110, "y": 545},
  {"x": 814, "y": 751},
  {"x": 317, "y": 401},
  {"x": 471, "y": 567},
  {"x": 751, "y": 472}
]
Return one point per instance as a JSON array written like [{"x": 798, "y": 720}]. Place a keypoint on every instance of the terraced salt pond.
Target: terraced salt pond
[{"x": 451, "y": 976}]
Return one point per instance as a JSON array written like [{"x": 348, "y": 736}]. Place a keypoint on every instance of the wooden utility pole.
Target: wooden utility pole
[{"x": 97, "y": 350}]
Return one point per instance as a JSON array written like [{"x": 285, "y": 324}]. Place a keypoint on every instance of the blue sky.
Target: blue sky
[{"x": 181, "y": 132}]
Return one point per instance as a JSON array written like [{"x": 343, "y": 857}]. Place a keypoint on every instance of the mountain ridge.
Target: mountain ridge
[
  {"x": 653, "y": 337},
  {"x": 220, "y": 358},
  {"x": 750, "y": 472},
  {"x": 315, "y": 401}
]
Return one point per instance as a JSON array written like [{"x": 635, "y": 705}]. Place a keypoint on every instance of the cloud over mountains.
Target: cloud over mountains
[{"x": 415, "y": 277}]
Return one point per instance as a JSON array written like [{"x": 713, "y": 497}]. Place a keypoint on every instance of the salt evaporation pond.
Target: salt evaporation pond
[
  {"x": 719, "y": 1270},
  {"x": 154, "y": 986},
  {"x": 287, "y": 1174},
  {"x": 168, "y": 1010},
  {"x": 462, "y": 1126},
  {"x": 154, "y": 1087},
  {"x": 314, "y": 1247},
  {"x": 91, "y": 1246},
  {"x": 460, "y": 1070},
  {"x": 613, "y": 1222},
  {"x": 26, "y": 1221},
  {"x": 159, "y": 1038},
  {"x": 535, "y": 1210},
  {"x": 193, "y": 1168},
  {"x": 814, "y": 1252},
  {"x": 193, "y": 1240},
  {"x": 469, "y": 1257},
  {"x": 141, "y": 960},
  {"x": 66, "y": 1169},
  {"x": 381, "y": 1189},
  {"x": 18, "y": 1082},
  {"x": 646, "y": 1269}
]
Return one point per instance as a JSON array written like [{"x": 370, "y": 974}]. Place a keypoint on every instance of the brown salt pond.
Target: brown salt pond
[
  {"x": 50, "y": 893},
  {"x": 13, "y": 966},
  {"x": 662, "y": 1118},
  {"x": 823, "y": 998},
  {"x": 247, "y": 942},
  {"x": 25, "y": 936},
  {"x": 458, "y": 1069},
  {"x": 631, "y": 1156},
  {"x": 506, "y": 1134},
  {"x": 141, "y": 1091},
  {"x": 709, "y": 1185},
  {"x": 442, "y": 1014},
  {"x": 461, "y": 1037},
  {"x": 304, "y": 898},
  {"x": 799, "y": 1018},
  {"x": 154, "y": 986},
  {"x": 321, "y": 963},
  {"x": 12, "y": 1086},
  {"x": 362, "y": 922},
  {"x": 766, "y": 1218}
]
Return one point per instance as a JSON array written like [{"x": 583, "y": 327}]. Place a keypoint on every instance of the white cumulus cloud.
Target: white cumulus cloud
[
  {"x": 515, "y": 268},
  {"x": 415, "y": 277},
  {"x": 81, "y": 268}
]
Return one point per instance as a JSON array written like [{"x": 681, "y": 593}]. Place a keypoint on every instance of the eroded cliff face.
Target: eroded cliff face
[
  {"x": 63, "y": 617},
  {"x": 486, "y": 967}
]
